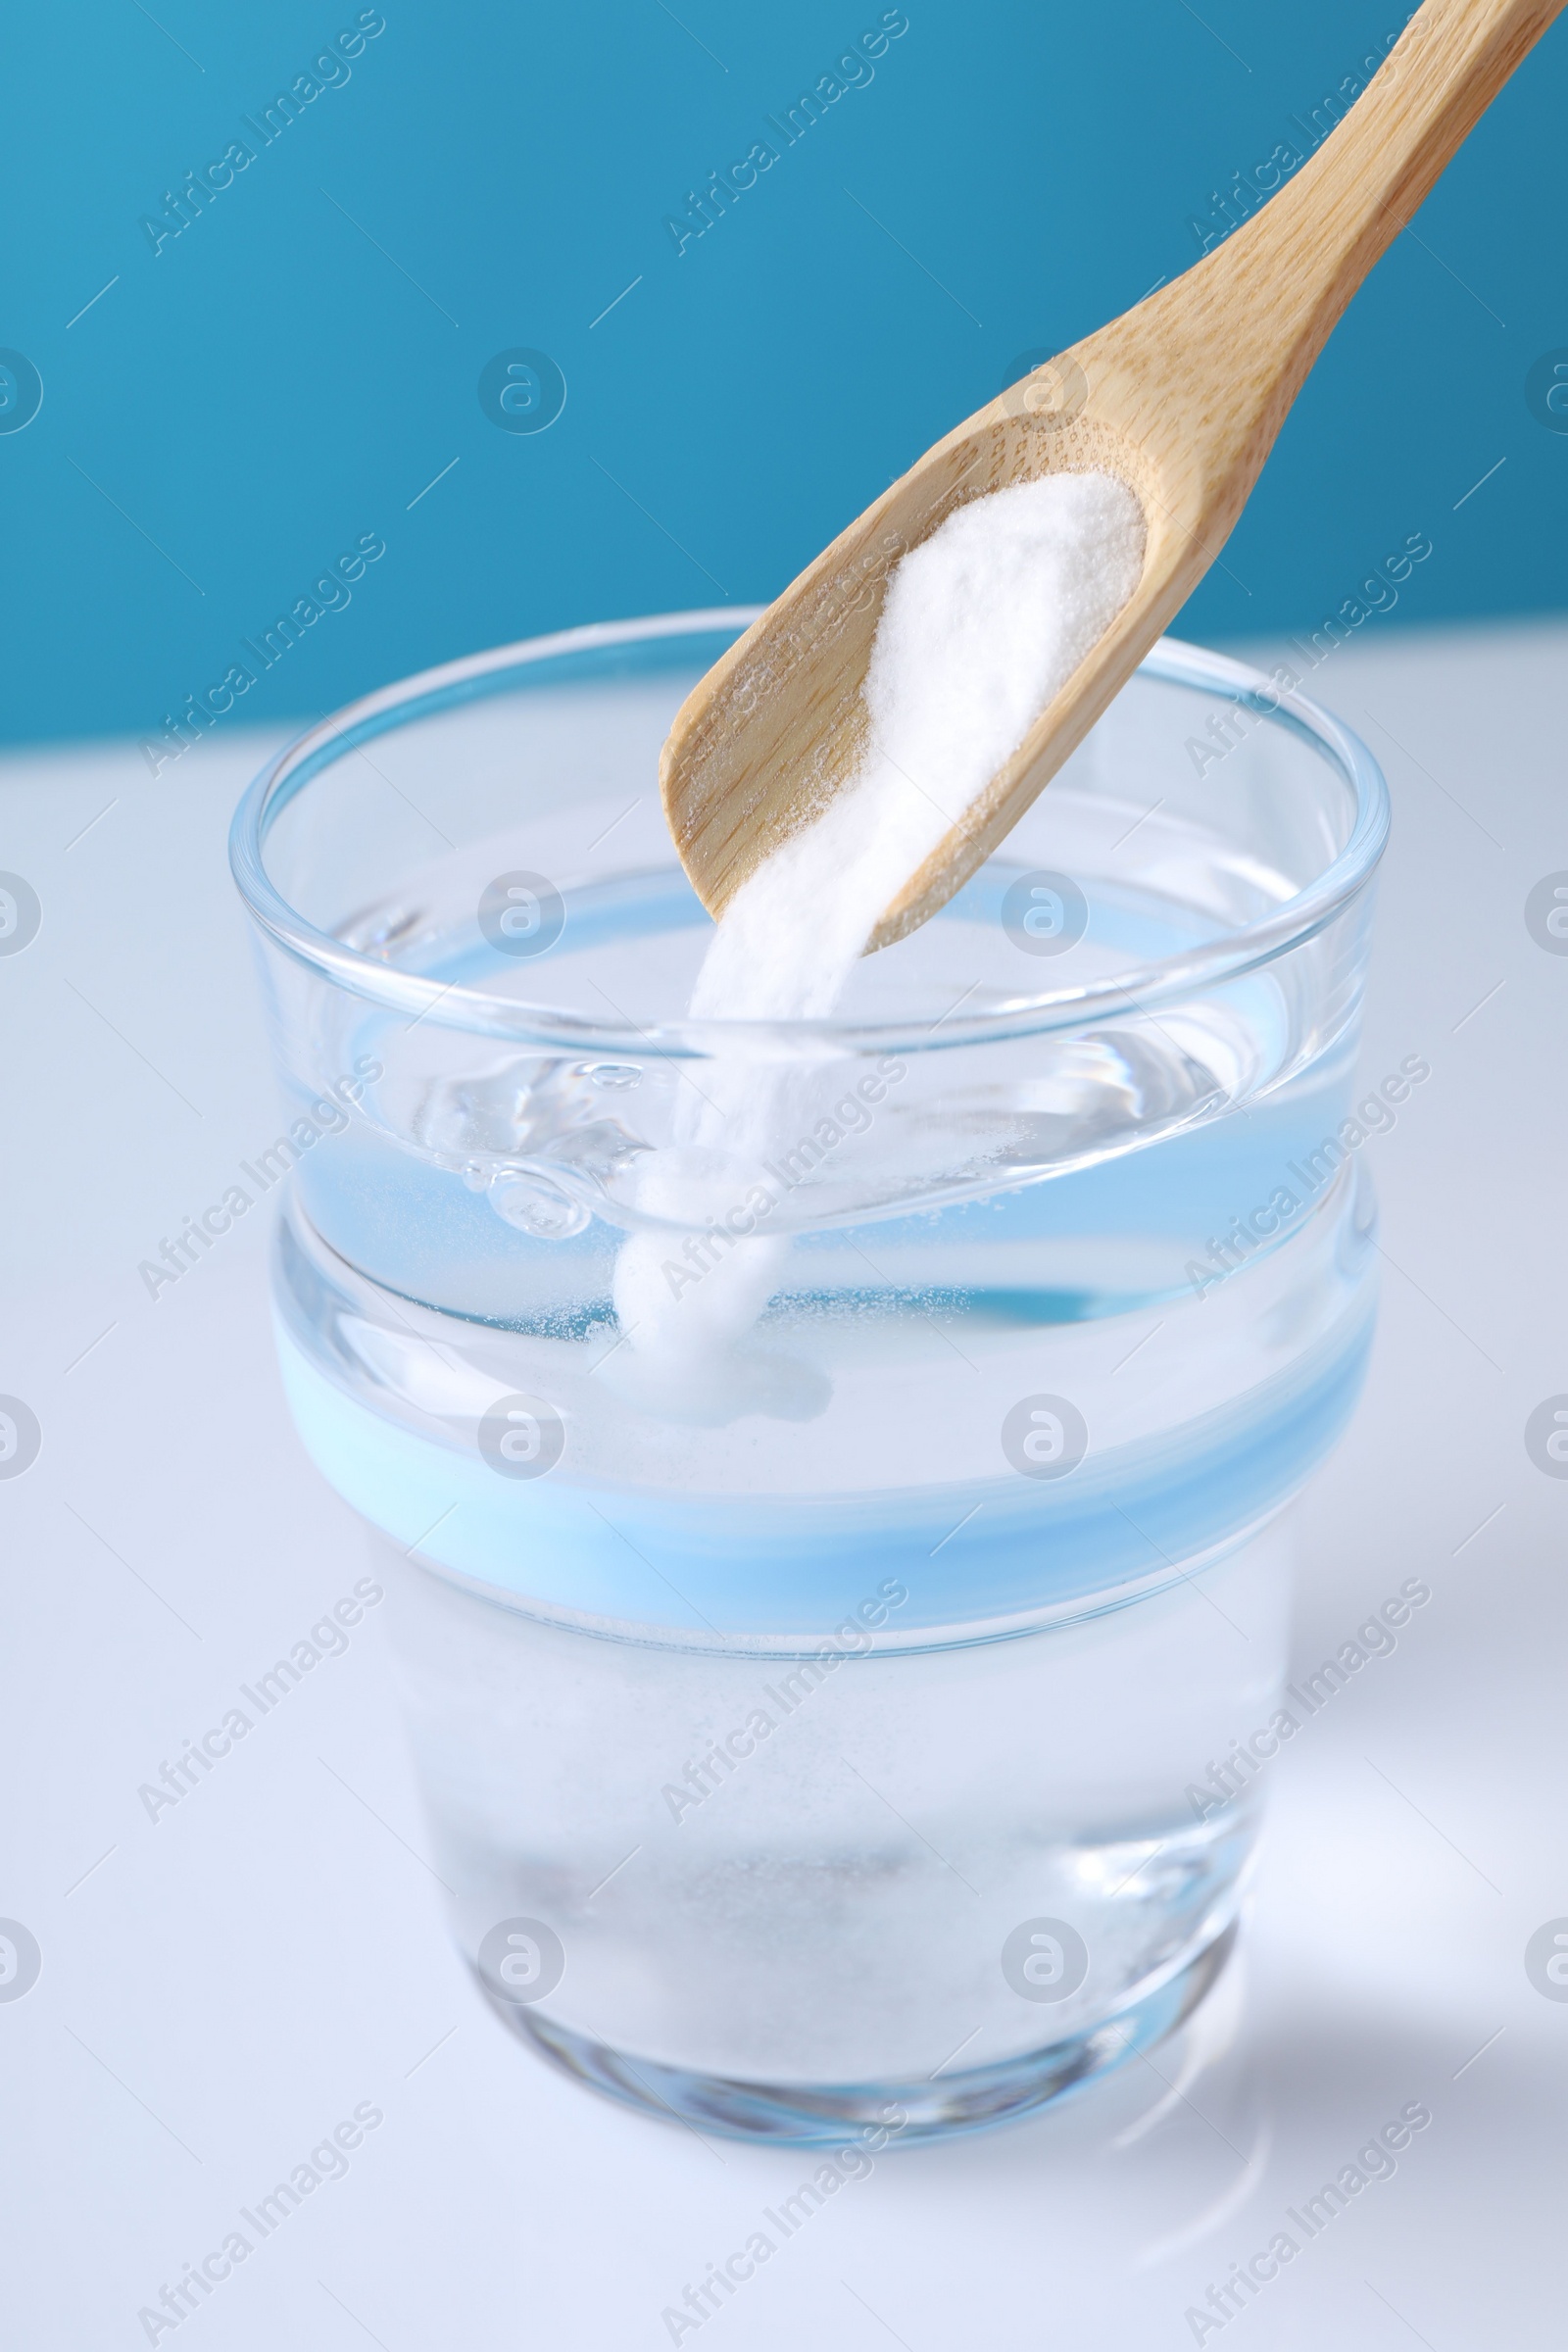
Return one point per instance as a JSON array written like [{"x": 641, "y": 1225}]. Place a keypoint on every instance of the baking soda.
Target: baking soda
[{"x": 981, "y": 626}]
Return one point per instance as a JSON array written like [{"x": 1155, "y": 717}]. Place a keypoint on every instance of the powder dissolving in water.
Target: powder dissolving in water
[{"x": 981, "y": 626}]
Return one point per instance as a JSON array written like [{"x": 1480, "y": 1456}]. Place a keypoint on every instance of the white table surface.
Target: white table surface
[{"x": 222, "y": 1987}]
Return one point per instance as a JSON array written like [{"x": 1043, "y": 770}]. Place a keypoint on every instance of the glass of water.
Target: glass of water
[{"x": 870, "y": 1718}]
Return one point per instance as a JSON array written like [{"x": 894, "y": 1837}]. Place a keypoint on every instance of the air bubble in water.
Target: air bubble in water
[{"x": 536, "y": 1207}]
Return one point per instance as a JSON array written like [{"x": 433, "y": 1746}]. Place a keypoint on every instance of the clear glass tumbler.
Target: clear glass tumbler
[{"x": 867, "y": 1717}]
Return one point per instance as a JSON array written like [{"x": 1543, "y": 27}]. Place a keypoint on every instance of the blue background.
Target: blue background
[{"x": 232, "y": 413}]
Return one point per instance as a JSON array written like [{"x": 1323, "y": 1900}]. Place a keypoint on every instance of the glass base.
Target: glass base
[{"x": 822, "y": 2115}]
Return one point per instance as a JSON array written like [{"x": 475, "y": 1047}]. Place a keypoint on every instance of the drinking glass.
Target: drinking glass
[{"x": 844, "y": 1690}]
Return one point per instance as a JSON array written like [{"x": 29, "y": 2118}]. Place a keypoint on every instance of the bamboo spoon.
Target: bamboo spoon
[{"x": 1180, "y": 398}]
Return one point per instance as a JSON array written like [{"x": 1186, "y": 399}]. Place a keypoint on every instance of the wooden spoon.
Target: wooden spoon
[{"x": 1180, "y": 398}]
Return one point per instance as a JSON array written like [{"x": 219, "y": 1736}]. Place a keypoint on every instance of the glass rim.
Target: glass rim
[{"x": 450, "y": 1004}]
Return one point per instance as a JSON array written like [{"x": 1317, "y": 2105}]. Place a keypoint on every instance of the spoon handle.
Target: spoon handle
[
  {"x": 1307, "y": 252},
  {"x": 1198, "y": 378}
]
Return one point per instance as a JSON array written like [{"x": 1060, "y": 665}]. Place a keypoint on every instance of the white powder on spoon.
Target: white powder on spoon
[{"x": 981, "y": 626}]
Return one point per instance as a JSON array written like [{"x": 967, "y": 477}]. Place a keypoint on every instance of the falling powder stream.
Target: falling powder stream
[{"x": 981, "y": 626}]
